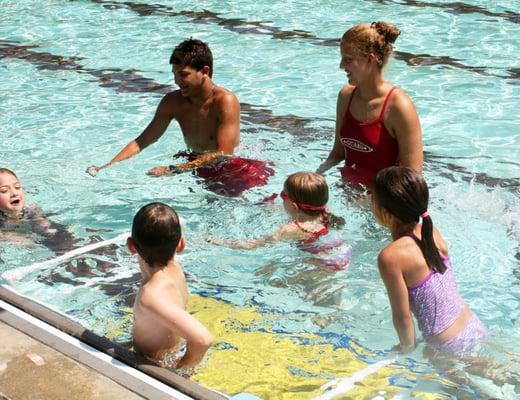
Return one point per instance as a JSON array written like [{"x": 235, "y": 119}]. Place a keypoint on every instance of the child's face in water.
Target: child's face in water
[{"x": 12, "y": 198}]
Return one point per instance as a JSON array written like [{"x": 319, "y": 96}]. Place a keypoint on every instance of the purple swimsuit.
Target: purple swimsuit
[
  {"x": 436, "y": 301},
  {"x": 436, "y": 304}
]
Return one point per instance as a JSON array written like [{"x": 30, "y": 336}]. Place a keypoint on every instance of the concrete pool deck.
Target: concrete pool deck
[
  {"x": 34, "y": 335},
  {"x": 30, "y": 369}
]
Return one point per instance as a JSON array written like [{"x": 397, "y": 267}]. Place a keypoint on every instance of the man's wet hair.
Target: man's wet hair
[
  {"x": 156, "y": 232},
  {"x": 193, "y": 53}
]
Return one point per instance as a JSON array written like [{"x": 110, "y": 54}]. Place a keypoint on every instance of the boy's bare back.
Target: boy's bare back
[{"x": 165, "y": 293}]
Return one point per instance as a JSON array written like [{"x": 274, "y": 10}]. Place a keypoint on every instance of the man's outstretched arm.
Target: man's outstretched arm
[{"x": 151, "y": 134}]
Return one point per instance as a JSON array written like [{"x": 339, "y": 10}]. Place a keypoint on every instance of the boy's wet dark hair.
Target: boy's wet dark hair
[
  {"x": 193, "y": 53},
  {"x": 156, "y": 232},
  {"x": 403, "y": 192}
]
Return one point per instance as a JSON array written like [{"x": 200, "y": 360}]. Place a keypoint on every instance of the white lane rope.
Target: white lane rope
[
  {"x": 341, "y": 386},
  {"x": 13, "y": 275}
]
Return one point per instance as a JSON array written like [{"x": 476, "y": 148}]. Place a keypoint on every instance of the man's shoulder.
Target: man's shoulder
[
  {"x": 173, "y": 97},
  {"x": 223, "y": 95},
  {"x": 171, "y": 103}
]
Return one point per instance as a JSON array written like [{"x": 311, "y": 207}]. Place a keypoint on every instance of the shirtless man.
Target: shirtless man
[
  {"x": 209, "y": 115},
  {"x": 160, "y": 316}
]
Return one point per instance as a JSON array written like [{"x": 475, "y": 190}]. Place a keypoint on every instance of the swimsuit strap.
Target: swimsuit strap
[
  {"x": 418, "y": 241},
  {"x": 314, "y": 234},
  {"x": 350, "y": 100},
  {"x": 387, "y": 99},
  {"x": 385, "y": 104},
  {"x": 411, "y": 235}
]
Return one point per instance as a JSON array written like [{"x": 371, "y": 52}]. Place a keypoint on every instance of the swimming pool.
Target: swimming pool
[{"x": 82, "y": 78}]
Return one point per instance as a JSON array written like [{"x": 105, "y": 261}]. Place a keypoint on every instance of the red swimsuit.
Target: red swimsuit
[
  {"x": 314, "y": 234},
  {"x": 233, "y": 175},
  {"x": 368, "y": 146}
]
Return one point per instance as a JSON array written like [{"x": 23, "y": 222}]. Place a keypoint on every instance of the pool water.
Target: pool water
[{"x": 80, "y": 79}]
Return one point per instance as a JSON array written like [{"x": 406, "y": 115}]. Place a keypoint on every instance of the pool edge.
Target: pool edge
[{"x": 107, "y": 358}]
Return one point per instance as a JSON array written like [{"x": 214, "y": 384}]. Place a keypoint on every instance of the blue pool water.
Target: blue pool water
[{"x": 82, "y": 78}]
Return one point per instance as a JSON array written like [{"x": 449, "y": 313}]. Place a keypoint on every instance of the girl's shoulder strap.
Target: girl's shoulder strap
[
  {"x": 314, "y": 235},
  {"x": 411, "y": 235}
]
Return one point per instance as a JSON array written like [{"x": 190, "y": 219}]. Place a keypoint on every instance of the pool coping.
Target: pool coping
[{"x": 108, "y": 358}]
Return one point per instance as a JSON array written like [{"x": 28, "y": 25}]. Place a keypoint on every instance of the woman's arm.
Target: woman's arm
[
  {"x": 406, "y": 127},
  {"x": 391, "y": 273},
  {"x": 337, "y": 154}
]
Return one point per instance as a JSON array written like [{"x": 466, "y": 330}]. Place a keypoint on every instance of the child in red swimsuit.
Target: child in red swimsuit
[{"x": 305, "y": 196}]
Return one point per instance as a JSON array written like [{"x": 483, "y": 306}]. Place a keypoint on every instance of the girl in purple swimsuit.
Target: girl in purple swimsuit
[
  {"x": 416, "y": 268},
  {"x": 305, "y": 196}
]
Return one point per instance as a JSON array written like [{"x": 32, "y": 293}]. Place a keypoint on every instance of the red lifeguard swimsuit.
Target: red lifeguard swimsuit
[{"x": 368, "y": 146}]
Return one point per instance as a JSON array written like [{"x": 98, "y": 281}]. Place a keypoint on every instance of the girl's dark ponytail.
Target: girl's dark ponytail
[{"x": 428, "y": 247}]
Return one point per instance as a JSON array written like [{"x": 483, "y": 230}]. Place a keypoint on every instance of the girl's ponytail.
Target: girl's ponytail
[
  {"x": 428, "y": 247},
  {"x": 332, "y": 220}
]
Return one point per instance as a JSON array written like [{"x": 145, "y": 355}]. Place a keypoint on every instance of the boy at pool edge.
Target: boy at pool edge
[{"x": 160, "y": 317}]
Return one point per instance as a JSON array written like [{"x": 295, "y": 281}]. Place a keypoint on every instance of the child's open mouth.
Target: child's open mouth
[{"x": 15, "y": 202}]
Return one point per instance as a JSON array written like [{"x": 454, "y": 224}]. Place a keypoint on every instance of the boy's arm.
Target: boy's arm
[
  {"x": 151, "y": 134},
  {"x": 182, "y": 323},
  {"x": 398, "y": 295},
  {"x": 228, "y": 137}
]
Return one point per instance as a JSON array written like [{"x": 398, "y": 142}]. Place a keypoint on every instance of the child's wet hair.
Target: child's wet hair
[
  {"x": 8, "y": 171},
  {"x": 307, "y": 188},
  {"x": 403, "y": 192},
  {"x": 156, "y": 232},
  {"x": 311, "y": 189}
]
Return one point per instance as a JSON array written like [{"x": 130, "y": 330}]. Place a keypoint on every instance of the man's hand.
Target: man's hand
[
  {"x": 93, "y": 170},
  {"x": 158, "y": 171}
]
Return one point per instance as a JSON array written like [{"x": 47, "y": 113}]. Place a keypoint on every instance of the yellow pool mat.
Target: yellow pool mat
[{"x": 248, "y": 356}]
